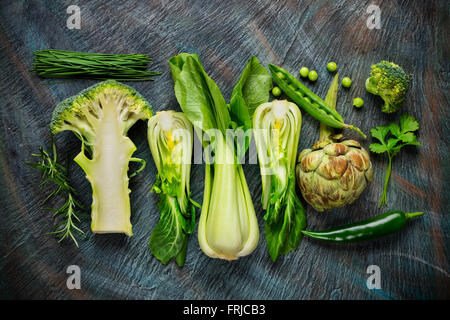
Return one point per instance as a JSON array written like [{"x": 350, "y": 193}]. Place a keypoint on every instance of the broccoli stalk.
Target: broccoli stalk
[
  {"x": 390, "y": 82},
  {"x": 101, "y": 116}
]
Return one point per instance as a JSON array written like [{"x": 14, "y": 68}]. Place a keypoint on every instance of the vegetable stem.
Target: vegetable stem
[
  {"x": 411, "y": 215},
  {"x": 386, "y": 181}
]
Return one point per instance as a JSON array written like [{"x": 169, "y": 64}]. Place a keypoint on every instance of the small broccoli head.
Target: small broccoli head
[
  {"x": 390, "y": 82},
  {"x": 105, "y": 101}
]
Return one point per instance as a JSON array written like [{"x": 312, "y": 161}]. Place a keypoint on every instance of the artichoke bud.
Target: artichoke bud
[{"x": 333, "y": 174}]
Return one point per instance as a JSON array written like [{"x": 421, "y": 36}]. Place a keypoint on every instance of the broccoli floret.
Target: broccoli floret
[
  {"x": 390, "y": 82},
  {"x": 101, "y": 116}
]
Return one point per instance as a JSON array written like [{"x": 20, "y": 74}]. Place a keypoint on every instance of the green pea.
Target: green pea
[
  {"x": 346, "y": 82},
  {"x": 358, "y": 102},
  {"x": 304, "y": 71},
  {"x": 280, "y": 75},
  {"x": 276, "y": 91},
  {"x": 331, "y": 66},
  {"x": 312, "y": 75},
  {"x": 307, "y": 99}
]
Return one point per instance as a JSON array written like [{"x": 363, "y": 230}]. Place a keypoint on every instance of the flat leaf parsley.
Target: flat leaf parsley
[{"x": 397, "y": 137}]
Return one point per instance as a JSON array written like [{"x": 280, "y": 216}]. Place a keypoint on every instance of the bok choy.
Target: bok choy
[
  {"x": 228, "y": 228},
  {"x": 170, "y": 137},
  {"x": 277, "y": 126}
]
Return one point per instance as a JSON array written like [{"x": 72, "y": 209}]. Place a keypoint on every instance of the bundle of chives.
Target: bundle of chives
[{"x": 50, "y": 63}]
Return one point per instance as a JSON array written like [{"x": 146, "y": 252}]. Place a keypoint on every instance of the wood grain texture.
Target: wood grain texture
[{"x": 415, "y": 34}]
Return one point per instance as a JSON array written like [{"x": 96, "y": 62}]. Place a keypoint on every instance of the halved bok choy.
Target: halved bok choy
[
  {"x": 170, "y": 137},
  {"x": 276, "y": 127}
]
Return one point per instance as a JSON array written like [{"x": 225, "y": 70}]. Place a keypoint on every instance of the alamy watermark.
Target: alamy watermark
[
  {"x": 374, "y": 20},
  {"x": 74, "y": 279},
  {"x": 374, "y": 280},
  {"x": 213, "y": 147},
  {"x": 74, "y": 20}
]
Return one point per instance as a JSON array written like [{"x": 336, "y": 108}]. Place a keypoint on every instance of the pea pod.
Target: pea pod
[
  {"x": 373, "y": 228},
  {"x": 317, "y": 108}
]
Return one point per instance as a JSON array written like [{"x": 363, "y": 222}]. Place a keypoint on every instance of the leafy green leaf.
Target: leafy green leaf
[
  {"x": 408, "y": 123},
  {"x": 377, "y": 148},
  {"x": 408, "y": 137},
  {"x": 391, "y": 143},
  {"x": 198, "y": 95},
  {"x": 168, "y": 241},
  {"x": 250, "y": 91},
  {"x": 285, "y": 235},
  {"x": 380, "y": 133},
  {"x": 394, "y": 129}
]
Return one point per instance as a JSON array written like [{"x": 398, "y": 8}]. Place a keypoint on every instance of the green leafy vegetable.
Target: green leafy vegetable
[
  {"x": 170, "y": 137},
  {"x": 50, "y": 63},
  {"x": 67, "y": 214},
  {"x": 400, "y": 136},
  {"x": 277, "y": 126},
  {"x": 228, "y": 227},
  {"x": 250, "y": 91},
  {"x": 101, "y": 116}
]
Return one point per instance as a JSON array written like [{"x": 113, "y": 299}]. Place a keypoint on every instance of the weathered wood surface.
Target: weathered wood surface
[{"x": 414, "y": 263}]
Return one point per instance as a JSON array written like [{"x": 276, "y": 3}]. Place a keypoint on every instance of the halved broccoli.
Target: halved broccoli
[
  {"x": 101, "y": 116},
  {"x": 390, "y": 82}
]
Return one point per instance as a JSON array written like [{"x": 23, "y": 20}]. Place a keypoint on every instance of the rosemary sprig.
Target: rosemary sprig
[
  {"x": 68, "y": 214},
  {"x": 50, "y": 63}
]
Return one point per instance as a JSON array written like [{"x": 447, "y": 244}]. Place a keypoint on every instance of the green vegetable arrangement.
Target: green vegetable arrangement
[
  {"x": 50, "y": 63},
  {"x": 390, "y": 82},
  {"x": 309, "y": 101},
  {"x": 392, "y": 138},
  {"x": 170, "y": 137},
  {"x": 101, "y": 116},
  {"x": 333, "y": 173},
  {"x": 277, "y": 126},
  {"x": 228, "y": 228}
]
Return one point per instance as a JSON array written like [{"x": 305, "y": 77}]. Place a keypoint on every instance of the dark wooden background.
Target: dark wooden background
[{"x": 415, "y": 34}]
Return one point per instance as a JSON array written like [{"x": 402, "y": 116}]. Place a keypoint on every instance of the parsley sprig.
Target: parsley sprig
[
  {"x": 397, "y": 137},
  {"x": 67, "y": 214}
]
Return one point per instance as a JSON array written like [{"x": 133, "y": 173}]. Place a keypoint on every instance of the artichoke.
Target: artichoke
[{"x": 333, "y": 174}]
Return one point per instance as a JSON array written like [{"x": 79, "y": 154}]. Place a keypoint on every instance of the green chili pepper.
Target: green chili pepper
[
  {"x": 373, "y": 228},
  {"x": 291, "y": 86}
]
